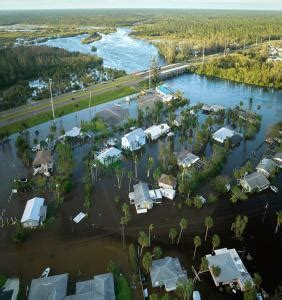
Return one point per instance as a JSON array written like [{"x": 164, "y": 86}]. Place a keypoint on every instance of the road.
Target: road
[{"x": 26, "y": 111}]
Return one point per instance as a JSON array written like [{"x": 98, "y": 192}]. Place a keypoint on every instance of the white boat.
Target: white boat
[
  {"x": 274, "y": 189},
  {"x": 170, "y": 134},
  {"x": 118, "y": 105},
  {"x": 45, "y": 272}
]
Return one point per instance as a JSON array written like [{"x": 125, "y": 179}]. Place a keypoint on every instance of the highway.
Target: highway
[{"x": 26, "y": 111}]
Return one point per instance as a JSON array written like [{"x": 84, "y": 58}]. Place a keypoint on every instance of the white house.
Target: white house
[
  {"x": 109, "y": 156},
  {"x": 224, "y": 134},
  {"x": 278, "y": 159},
  {"x": 266, "y": 167},
  {"x": 155, "y": 131},
  {"x": 232, "y": 269},
  {"x": 143, "y": 198},
  {"x": 134, "y": 140},
  {"x": 166, "y": 93},
  {"x": 34, "y": 213}
]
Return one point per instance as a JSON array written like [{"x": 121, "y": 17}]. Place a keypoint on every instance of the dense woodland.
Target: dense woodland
[
  {"x": 179, "y": 35},
  {"x": 248, "y": 67},
  {"x": 20, "y": 64}
]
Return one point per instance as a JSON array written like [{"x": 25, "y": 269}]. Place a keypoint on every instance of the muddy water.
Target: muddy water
[{"x": 87, "y": 247}]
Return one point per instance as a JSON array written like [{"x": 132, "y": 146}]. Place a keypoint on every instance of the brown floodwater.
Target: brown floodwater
[{"x": 85, "y": 249}]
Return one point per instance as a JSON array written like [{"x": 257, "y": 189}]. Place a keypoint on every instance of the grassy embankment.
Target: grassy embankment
[{"x": 69, "y": 108}]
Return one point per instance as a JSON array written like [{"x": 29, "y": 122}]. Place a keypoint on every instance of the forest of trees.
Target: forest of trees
[
  {"x": 179, "y": 34},
  {"x": 20, "y": 64},
  {"x": 248, "y": 67}
]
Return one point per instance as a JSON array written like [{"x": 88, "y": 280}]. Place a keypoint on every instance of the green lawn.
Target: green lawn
[
  {"x": 72, "y": 107},
  {"x": 239, "y": 194},
  {"x": 3, "y": 280},
  {"x": 123, "y": 290}
]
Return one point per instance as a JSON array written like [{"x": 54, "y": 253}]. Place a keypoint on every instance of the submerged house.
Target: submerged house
[
  {"x": 278, "y": 159},
  {"x": 232, "y": 269},
  {"x": 51, "y": 287},
  {"x": 178, "y": 121},
  {"x": 167, "y": 184},
  {"x": 134, "y": 140},
  {"x": 186, "y": 159},
  {"x": 43, "y": 163},
  {"x": 143, "y": 198},
  {"x": 255, "y": 182},
  {"x": 101, "y": 287},
  {"x": 156, "y": 131},
  {"x": 34, "y": 213},
  {"x": 266, "y": 167},
  {"x": 207, "y": 109},
  {"x": 224, "y": 134},
  {"x": 167, "y": 272},
  {"x": 109, "y": 156},
  {"x": 166, "y": 93}
]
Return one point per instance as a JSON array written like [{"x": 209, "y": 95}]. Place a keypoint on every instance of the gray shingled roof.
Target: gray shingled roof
[
  {"x": 141, "y": 193},
  {"x": 131, "y": 136},
  {"x": 256, "y": 180},
  {"x": 42, "y": 157},
  {"x": 49, "y": 288},
  {"x": 267, "y": 164},
  {"x": 99, "y": 288},
  {"x": 168, "y": 272}
]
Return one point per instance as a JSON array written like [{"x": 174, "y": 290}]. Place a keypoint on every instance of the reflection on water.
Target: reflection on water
[{"x": 117, "y": 50}]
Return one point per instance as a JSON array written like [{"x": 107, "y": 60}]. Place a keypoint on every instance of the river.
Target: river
[
  {"x": 117, "y": 50},
  {"x": 84, "y": 249}
]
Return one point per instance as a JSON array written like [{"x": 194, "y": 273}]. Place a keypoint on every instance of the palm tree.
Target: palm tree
[
  {"x": 183, "y": 226},
  {"x": 143, "y": 241},
  {"x": 151, "y": 227},
  {"x": 215, "y": 241},
  {"x": 239, "y": 225},
  {"x": 147, "y": 261},
  {"x": 157, "y": 252},
  {"x": 124, "y": 220},
  {"x": 172, "y": 234},
  {"x": 119, "y": 175},
  {"x": 135, "y": 159},
  {"x": 209, "y": 224},
  {"x": 197, "y": 243},
  {"x": 130, "y": 176},
  {"x": 185, "y": 289},
  {"x": 278, "y": 220},
  {"x": 149, "y": 165}
]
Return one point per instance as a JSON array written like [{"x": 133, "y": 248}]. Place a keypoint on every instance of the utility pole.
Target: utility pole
[
  {"x": 51, "y": 97},
  {"x": 90, "y": 105},
  {"x": 203, "y": 55},
  {"x": 265, "y": 209}
]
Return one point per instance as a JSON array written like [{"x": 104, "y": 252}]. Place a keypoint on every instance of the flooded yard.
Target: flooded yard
[{"x": 84, "y": 249}]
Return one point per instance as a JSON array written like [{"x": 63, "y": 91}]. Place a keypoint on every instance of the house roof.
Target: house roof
[
  {"x": 109, "y": 153},
  {"x": 49, "y": 288},
  {"x": 267, "y": 165},
  {"x": 135, "y": 134},
  {"x": 256, "y": 180},
  {"x": 230, "y": 264},
  {"x": 74, "y": 132},
  {"x": 141, "y": 193},
  {"x": 33, "y": 209},
  {"x": 165, "y": 89},
  {"x": 99, "y": 288},
  {"x": 167, "y": 271},
  {"x": 42, "y": 157},
  {"x": 223, "y": 133},
  {"x": 278, "y": 156},
  {"x": 167, "y": 179},
  {"x": 157, "y": 129},
  {"x": 187, "y": 158}
]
